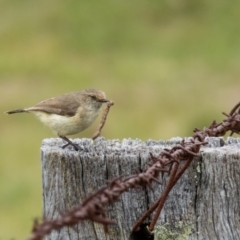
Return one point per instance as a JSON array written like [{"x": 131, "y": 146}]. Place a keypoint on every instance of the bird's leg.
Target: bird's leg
[{"x": 75, "y": 146}]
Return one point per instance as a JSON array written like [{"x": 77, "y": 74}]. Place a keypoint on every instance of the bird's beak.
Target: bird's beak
[{"x": 103, "y": 100}]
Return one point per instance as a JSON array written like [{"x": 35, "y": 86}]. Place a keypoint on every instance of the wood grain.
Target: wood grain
[{"x": 204, "y": 204}]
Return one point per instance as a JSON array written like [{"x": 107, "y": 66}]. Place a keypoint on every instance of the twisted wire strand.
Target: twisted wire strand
[{"x": 94, "y": 207}]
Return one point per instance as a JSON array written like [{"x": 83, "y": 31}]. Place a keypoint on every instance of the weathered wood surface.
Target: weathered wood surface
[{"x": 204, "y": 204}]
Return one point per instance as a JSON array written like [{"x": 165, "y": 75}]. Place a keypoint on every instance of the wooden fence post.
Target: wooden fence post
[{"x": 204, "y": 204}]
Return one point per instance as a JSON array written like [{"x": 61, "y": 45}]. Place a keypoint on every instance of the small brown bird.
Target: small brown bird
[{"x": 70, "y": 113}]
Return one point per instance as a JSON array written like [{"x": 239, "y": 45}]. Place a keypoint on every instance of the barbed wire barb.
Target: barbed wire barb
[{"x": 175, "y": 161}]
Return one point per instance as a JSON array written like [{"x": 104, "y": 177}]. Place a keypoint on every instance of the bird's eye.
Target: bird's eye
[{"x": 94, "y": 97}]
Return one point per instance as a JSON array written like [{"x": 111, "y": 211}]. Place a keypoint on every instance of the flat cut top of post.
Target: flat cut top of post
[{"x": 101, "y": 145}]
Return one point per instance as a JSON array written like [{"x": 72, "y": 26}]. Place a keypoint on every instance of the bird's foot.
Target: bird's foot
[{"x": 75, "y": 146}]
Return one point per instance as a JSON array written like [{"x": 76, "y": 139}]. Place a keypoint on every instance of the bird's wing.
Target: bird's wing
[{"x": 65, "y": 105}]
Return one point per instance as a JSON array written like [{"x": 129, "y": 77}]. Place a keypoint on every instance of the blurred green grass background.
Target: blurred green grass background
[{"x": 169, "y": 66}]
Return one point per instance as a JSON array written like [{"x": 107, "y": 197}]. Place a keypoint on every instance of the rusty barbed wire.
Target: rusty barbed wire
[
  {"x": 191, "y": 148},
  {"x": 93, "y": 208},
  {"x": 173, "y": 162}
]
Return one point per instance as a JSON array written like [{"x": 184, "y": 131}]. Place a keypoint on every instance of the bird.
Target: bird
[{"x": 68, "y": 114}]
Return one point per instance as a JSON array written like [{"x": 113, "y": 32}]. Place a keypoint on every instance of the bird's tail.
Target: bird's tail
[{"x": 16, "y": 111}]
